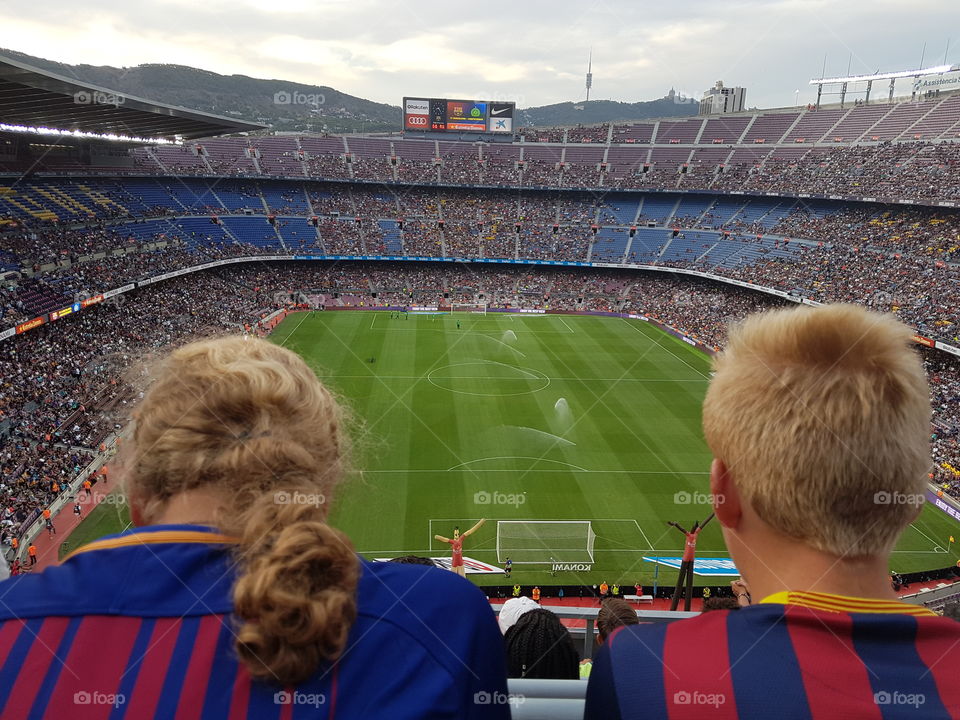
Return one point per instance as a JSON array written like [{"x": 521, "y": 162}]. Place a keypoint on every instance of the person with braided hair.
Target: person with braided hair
[
  {"x": 232, "y": 596},
  {"x": 539, "y": 646}
]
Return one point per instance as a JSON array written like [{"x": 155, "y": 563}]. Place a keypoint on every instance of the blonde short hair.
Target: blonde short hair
[{"x": 823, "y": 418}]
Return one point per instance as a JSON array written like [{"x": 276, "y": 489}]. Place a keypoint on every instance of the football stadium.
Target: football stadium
[{"x": 675, "y": 396}]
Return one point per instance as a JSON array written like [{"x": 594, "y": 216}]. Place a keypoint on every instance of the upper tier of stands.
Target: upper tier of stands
[
  {"x": 906, "y": 150},
  {"x": 924, "y": 119},
  {"x": 923, "y": 172}
]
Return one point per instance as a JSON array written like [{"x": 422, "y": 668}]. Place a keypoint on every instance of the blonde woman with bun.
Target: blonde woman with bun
[{"x": 232, "y": 597}]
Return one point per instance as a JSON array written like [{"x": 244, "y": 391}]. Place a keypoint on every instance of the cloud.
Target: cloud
[{"x": 535, "y": 50}]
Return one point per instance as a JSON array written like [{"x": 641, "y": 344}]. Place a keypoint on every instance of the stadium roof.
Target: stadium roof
[
  {"x": 940, "y": 69},
  {"x": 33, "y": 97}
]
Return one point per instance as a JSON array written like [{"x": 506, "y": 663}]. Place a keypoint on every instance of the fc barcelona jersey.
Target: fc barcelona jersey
[
  {"x": 139, "y": 626},
  {"x": 807, "y": 656}
]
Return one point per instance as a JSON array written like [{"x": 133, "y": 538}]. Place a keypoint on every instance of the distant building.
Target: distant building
[{"x": 719, "y": 100}]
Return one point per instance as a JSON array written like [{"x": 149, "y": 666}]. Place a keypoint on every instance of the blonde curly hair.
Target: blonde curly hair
[{"x": 250, "y": 422}]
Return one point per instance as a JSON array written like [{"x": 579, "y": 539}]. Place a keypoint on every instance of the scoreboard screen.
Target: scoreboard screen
[
  {"x": 466, "y": 115},
  {"x": 444, "y": 115}
]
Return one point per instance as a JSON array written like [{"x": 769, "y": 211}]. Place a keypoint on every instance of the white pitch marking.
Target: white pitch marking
[
  {"x": 619, "y": 472},
  {"x": 484, "y": 377},
  {"x": 664, "y": 347},
  {"x": 514, "y": 457}
]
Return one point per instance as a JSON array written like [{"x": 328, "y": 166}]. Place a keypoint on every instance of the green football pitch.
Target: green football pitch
[{"x": 520, "y": 417}]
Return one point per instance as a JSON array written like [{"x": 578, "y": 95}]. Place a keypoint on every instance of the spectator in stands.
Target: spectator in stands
[
  {"x": 539, "y": 646},
  {"x": 512, "y": 610},
  {"x": 818, "y": 421},
  {"x": 614, "y": 613},
  {"x": 720, "y": 603},
  {"x": 241, "y": 588}
]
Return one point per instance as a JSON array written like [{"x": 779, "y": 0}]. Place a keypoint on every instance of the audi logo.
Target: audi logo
[{"x": 416, "y": 120}]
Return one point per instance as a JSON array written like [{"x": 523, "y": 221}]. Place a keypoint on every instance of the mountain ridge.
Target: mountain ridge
[{"x": 289, "y": 106}]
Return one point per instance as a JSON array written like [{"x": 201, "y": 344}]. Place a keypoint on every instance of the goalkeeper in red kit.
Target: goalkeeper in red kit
[{"x": 456, "y": 544}]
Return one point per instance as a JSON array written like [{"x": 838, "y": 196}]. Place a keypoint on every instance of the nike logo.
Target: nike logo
[{"x": 499, "y": 112}]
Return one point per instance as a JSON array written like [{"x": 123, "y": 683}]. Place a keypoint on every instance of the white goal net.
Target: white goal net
[
  {"x": 545, "y": 541},
  {"x": 480, "y": 308}
]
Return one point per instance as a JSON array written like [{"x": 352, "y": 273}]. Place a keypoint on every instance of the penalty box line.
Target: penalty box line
[
  {"x": 470, "y": 521},
  {"x": 937, "y": 547}
]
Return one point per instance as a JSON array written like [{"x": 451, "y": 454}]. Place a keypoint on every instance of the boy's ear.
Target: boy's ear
[{"x": 726, "y": 499}]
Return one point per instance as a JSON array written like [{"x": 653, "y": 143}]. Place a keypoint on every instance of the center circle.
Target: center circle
[{"x": 495, "y": 379}]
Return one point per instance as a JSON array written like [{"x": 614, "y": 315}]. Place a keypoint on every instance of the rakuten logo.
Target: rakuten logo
[{"x": 418, "y": 107}]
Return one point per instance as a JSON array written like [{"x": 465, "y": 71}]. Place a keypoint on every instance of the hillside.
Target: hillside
[
  {"x": 291, "y": 106},
  {"x": 314, "y": 108},
  {"x": 601, "y": 111}
]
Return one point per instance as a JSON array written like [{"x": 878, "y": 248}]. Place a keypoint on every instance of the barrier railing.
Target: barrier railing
[{"x": 545, "y": 699}]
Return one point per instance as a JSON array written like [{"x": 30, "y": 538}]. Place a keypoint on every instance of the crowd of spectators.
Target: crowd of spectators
[
  {"x": 894, "y": 258},
  {"x": 904, "y": 170},
  {"x": 62, "y": 391},
  {"x": 915, "y": 169}
]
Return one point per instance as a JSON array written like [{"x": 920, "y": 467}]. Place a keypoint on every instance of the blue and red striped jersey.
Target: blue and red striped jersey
[
  {"x": 139, "y": 625},
  {"x": 796, "y": 655}
]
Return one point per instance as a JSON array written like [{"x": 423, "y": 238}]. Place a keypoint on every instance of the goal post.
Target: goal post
[
  {"x": 530, "y": 542},
  {"x": 479, "y": 308}
]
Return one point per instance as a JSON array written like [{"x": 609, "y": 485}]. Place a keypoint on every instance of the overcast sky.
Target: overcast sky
[{"x": 530, "y": 51}]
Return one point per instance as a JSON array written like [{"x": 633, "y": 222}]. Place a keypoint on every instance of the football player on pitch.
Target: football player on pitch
[{"x": 456, "y": 545}]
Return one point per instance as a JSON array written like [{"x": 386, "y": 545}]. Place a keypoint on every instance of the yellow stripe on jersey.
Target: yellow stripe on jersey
[
  {"x": 844, "y": 603},
  {"x": 150, "y": 538}
]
